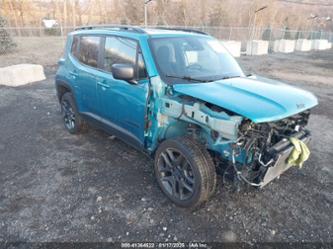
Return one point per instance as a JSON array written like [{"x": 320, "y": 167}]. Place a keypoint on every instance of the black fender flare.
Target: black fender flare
[{"x": 64, "y": 84}]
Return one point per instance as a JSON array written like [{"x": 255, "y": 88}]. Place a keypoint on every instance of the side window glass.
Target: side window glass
[
  {"x": 75, "y": 46},
  {"x": 89, "y": 47},
  {"x": 119, "y": 51}
]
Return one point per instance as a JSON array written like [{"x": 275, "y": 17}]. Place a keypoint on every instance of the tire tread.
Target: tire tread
[{"x": 204, "y": 163}]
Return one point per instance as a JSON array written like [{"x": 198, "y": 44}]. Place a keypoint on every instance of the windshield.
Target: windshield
[{"x": 193, "y": 59}]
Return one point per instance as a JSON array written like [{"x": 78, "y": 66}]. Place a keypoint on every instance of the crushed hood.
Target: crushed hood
[{"x": 258, "y": 99}]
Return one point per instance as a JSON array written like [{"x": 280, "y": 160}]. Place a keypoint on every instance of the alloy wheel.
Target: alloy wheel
[
  {"x": 176, "y": 174},
  {"x": 68, "y": 115}
]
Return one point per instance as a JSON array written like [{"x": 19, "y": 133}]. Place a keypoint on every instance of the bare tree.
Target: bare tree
[
  {"x": 90, "y": 12},
  {"x": 134, "y": 11},
  {"x": 12, "y": 10},
  {"x": 164, "y": 12},
  {"x": 64, "y": 21}
]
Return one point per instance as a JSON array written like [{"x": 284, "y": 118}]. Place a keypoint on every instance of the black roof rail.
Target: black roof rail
[
  {"x": 116, "y": 27},
  {"x": 182, "y": 29},
  {"x": 137, "y": 29}
]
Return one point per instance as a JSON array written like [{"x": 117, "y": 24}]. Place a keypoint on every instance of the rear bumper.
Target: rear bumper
[{"x": 282, "y": 151}]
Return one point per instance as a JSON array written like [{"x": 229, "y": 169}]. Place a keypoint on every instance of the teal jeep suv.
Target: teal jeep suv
[{"x": 180, "y": 96}]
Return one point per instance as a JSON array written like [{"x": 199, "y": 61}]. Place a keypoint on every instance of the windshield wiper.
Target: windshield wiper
[
  {"x": 228, "y": 77},
  {"x": 186, "y": 78}
]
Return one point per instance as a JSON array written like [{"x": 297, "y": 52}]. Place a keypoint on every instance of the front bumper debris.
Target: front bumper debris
[{"x": 282, "y": 151}]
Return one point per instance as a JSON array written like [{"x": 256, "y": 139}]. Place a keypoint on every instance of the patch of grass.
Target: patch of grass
[{"x": 45, "y": 51}]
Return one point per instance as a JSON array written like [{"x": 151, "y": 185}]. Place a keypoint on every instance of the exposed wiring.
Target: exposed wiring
[
  {"x": 264, "y": 164},
  {"x": 239, "y": 173}
]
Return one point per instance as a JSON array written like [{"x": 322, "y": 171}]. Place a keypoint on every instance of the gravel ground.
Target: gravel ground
[{"x": 93, "y": 187}]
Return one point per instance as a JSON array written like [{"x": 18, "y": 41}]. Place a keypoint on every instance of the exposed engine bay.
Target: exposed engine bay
[
  {"x": 249, "y": 148},
  {"x": 262, "y": 145}
]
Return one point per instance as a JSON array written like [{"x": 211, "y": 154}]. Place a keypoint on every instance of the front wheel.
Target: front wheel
[{"x": 185, "y": 172}]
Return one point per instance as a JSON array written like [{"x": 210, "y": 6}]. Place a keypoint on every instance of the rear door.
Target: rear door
[
  {"x": 123, "y": 104},
  {"x": 84, "y": 72}
]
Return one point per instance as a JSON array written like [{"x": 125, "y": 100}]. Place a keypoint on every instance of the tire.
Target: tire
[
  {"x": 73, "y": 122},
  {"x": 185, "y": 172}
]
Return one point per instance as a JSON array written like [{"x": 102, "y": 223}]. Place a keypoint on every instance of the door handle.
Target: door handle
[
  {"x": 102, "y": 84},
  {"x": 74, "y": 74}
]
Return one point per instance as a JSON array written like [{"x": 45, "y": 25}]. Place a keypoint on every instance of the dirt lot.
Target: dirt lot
[{"x": 60, "y": 187}]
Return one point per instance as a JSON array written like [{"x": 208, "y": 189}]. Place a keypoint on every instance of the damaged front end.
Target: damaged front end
[
  {"x": 264, "y": 148},
  {"x": 255, "y": 152}
]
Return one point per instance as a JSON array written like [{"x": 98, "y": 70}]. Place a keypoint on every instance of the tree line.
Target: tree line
[{"x": 72, "y": 13}]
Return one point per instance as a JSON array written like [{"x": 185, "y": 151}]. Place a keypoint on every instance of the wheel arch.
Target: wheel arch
[
  {"x": 177, "y": 129},
  {"x": 62, "y": 87}
]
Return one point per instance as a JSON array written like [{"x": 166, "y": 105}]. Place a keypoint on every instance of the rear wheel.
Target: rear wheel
[
  {"x": 185, "y": 172},
  {"x": 72, "y": 119}
]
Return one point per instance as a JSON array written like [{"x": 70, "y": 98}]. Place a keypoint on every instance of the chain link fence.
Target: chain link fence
[
  {"x": 242, "y": 34},
  {"x": 222, "y": 33}
]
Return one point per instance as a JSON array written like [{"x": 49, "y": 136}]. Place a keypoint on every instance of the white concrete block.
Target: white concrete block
[
  {"x": 303, "y": 45},
  {"x": 286, "y": 46},
  {"x": 276, "y": 46},
  {"x": 21, "y": 74},
  {"x": 257, "y": 47},
  {"x": 329, "y": 45},
  {"x": 234, "y": 47},
  {"x": 319, "y": 44}
]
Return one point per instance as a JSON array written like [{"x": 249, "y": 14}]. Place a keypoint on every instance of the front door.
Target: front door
[{"x": 123, "y": 104}]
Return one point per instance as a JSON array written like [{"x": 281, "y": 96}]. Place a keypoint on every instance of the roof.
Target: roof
[{"x": 137, "y": 31}]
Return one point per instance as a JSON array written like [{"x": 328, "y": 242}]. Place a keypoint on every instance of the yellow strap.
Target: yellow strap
[
  {"x": 299, "y": 154},
  {"x": 305, "y": 154}
]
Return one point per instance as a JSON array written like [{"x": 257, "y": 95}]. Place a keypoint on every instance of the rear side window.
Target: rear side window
[
  {"x": 89, "y": 50},
  {"x": 75, "y": 46},
  {"x": 120, "y": 50}
]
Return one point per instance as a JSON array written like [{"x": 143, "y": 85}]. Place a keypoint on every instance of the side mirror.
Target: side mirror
[
  {"x": 123, "y": 72},
  {"x": 61, "y": 61}
]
